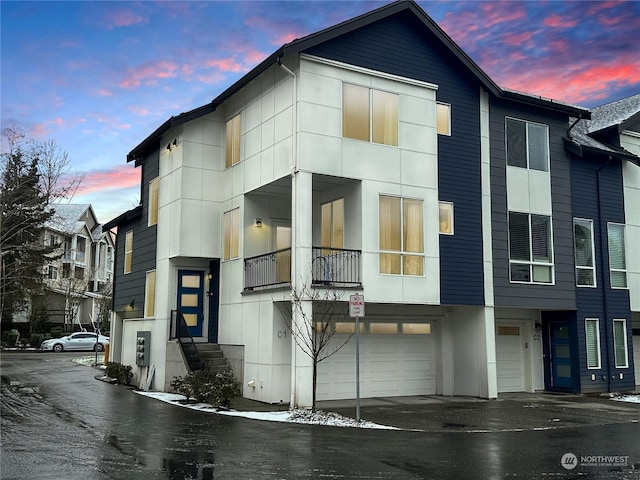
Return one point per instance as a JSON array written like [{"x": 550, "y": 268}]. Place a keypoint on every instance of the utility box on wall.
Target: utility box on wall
[{"x": 143, "y": 345}]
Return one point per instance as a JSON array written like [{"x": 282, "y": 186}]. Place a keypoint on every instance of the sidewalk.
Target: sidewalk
[{"x": 510, "y": 412}]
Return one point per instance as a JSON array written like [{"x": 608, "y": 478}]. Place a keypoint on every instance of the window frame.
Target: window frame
[
  {"x": 150, "y": 294},
  {"x": 531, "y": 262},
  {"x": 578, "y": 268},
  {"x": 624, "y": 256},
  {"x": 154, "y": 192},
  {"x": 439, "y": 109},
  {"x": 128, "y": 252},
  {"x": 527, "y": 123},
  {"x": 450, "y": 214},
  {"x": 329, "y": 214},
  {"x": 52, "y": 272},
  {"x": 350, "y": 111},
  {"x": 625, "y": 344},
  {"x": 231, "y": 234},
  {"x": 232, "y": 143},
  {"x": 598, "y": 346},
  {"x": 402, "y": 252}
]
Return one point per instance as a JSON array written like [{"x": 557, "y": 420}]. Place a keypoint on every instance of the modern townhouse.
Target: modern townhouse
[
  {"x": 374, "y": 157},
  {"x": 79, "y": 272}
]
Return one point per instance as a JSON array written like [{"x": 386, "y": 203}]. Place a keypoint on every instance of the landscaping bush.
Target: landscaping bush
[
  {"x": 120, "y": 372},
  {"x": 36, "y": 340},
  {"x": 217, "y": 390}
]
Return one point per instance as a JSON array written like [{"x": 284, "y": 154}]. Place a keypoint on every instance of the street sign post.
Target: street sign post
[{"x": 356, "y": 310}]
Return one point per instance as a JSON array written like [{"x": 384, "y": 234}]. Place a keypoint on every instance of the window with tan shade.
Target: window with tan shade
[
  {"x": 150, "y": 294},
  {"x": 232, "y": 147},
  {"x": 231, "y": 233},
  {"x": 401, "y": 236},
  {"x": 332, "y": 230},
  {"x": 128, "y": 251},
  {"x": 369, "y": 115},
  {"x": 443, "y": 118},
  {"x": 446, "y": 218},
  {"x": 153, "y": 201}
]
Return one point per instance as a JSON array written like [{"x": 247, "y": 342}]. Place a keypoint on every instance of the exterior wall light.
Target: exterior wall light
[{"x": 257, "y": 222}]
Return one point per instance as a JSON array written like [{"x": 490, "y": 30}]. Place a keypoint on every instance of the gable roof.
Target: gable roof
[
  {"x": 66, "y": 218},
  {"x": 299, "y": 45}
]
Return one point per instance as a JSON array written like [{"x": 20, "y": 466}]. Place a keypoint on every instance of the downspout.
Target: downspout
[
  {"x": 604, "y": 270},
  {"x": 294, "y": 200}
]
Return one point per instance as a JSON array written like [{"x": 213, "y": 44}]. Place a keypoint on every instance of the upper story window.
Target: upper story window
[
  {"x": 150, "y": 294},
  {"x": 53, "y": 272},
  {"x": 527, "y": 145},
  {"x": 369, "y": 115},
  {"x": 584, "y": 252},
  {"x": 401, "y": 236},
  {"x": 128, "y": 251},
  {"x": 443, "y": 118},
  {"x": 530, "y": 248},
  {"x": 332, "y": 230},
  {"x": 81, "y": 249},
  {"x": 231, "y": 233},
  {"x": 232, "y": 147},
  {"x": 617, "y": 256},
  {"x": 54, "y": 241},
  {"x": 153, "y": 201},
  {"x": 592, "y": 338},
  {"x": 446, "y": 218}
]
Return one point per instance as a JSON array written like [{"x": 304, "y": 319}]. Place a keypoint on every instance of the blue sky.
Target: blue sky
[{"x": 98, "y": 77}]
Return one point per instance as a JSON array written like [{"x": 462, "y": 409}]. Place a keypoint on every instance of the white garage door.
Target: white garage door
[
  {"x": 390, "y": 366},
  {"x": 509, "y": 358},
  {"x": 636, "y": 357}
]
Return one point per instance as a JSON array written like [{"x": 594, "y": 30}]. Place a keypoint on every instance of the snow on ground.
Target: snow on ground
[
  {"x": 291, "y": 416},
  {"x": 90, "y": 360},
  {"x": 627, "y": 398}
]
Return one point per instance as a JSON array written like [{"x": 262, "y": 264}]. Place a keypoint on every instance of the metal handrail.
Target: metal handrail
[{"x": 180, "y": 331}]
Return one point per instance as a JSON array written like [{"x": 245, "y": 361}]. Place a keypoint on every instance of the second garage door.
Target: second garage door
[{"x": 390, "y": 365}]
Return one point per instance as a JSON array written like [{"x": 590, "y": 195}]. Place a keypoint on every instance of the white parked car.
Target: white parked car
[{"x": 76, "y": 341}]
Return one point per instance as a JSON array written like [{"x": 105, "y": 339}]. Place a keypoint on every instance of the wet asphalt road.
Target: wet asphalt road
[{"x": 58, "y": 422}]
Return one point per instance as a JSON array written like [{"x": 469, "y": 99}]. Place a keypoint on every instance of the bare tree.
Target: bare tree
[
  {"x": 315, "y": 332},
  {"x": 57, "y": 182}
]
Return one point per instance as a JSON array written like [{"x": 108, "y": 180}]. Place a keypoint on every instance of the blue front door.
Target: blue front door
[
  {"x": 561, "y": 362},
  {"x": 190, "y": 299}
]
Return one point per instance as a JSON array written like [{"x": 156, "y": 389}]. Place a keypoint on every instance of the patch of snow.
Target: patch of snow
[
  {"x": 89, "y": 360},
  {"x": 291, "y": 416},
  {"x": 627, "y": 398}
]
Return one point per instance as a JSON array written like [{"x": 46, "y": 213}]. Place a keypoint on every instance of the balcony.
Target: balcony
[{"x": 330, "y": 267}]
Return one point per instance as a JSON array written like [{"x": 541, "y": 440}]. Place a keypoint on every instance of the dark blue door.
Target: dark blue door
[
  {"x": 561, "y": 363},
  {"x": 190, "y": 299},
  {"x": 214, "y": 299}
]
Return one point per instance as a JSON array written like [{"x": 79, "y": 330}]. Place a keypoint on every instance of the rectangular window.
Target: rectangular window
[
  {"x": 53, "y": 240},
  {"x": 446, "y": 218},
  {"x": 150, "y": 294},
  {"x": 153, "y": 201},
  {"x": 231, "y": 232},
  {"x": 128, "y": 251},
  {"x": 527, "y": 145},
  {"x": 443, "y": 118},
  {"x": 584, "y": 252},
  {"x": 232, "y": 147},
  {"x": 620, "y": 343},
  {"x": 592, "y": 333},
  {"x": 332, "y": 229},
  {"x": 530, "y": 248},
  {"x": 401, "y": 236},
  {"x": 617, "y": 256},
  {"x": 369, "y": 115},
  {"x": 53, "y": 272}
]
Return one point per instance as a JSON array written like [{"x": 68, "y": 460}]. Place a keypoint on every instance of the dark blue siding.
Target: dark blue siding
[
  {"x": 131, "y": 286},
  {"x": 560, "y": 296},
  {"x": 588, "y": 178},
  {"x": 401, "y": 45}
]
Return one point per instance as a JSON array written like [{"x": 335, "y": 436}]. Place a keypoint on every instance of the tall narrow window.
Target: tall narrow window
[
  {"x": 620, "y": 343},
  {"x": 401, "y": 236},
  {"x": 617, "y": 256},
  {"x": 530, "y": 248},
  {"x": 527, "y": 145},
  {"x": 446, "y": 218},
  {"x": 443, "y": 118},
  {"x": 231, "y": 233},
  {"x": 232, "y": 148},
  {"x": 369, "y": 115},
  {"x": 584, "y": 252},
  {"x": 150, "y": 294},
  {"x": 128, "y": 251},
  {"x": 153, "y": 201},
  {"x": 332, "y": 230},
  {"x": 592, "y": 334},
  {"x": 53, "y": 272}
]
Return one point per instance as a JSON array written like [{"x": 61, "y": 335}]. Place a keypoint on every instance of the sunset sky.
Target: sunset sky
[{"x": 98, "y": 77}]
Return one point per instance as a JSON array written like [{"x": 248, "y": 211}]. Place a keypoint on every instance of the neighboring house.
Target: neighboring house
[
  {"x": 375, "y": 157},
  {"x": 79, "y": 272}
]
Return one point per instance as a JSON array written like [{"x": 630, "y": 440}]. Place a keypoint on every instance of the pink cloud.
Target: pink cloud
[
  {"x": 556, "y": 21},
  {"x": 517, "y": 38},
  {"x": 124, "y": 18},
  {"x": 227, "y": 64},
  {"x": 104, "y": 92},
  {"x": 494, "y": 13},
  {"x": 149, "y": 73},
  {"x": 114, "y": 178}
]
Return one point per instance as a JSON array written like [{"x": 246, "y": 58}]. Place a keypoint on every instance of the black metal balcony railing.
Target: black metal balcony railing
[{"x": 330, "y": 266}]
